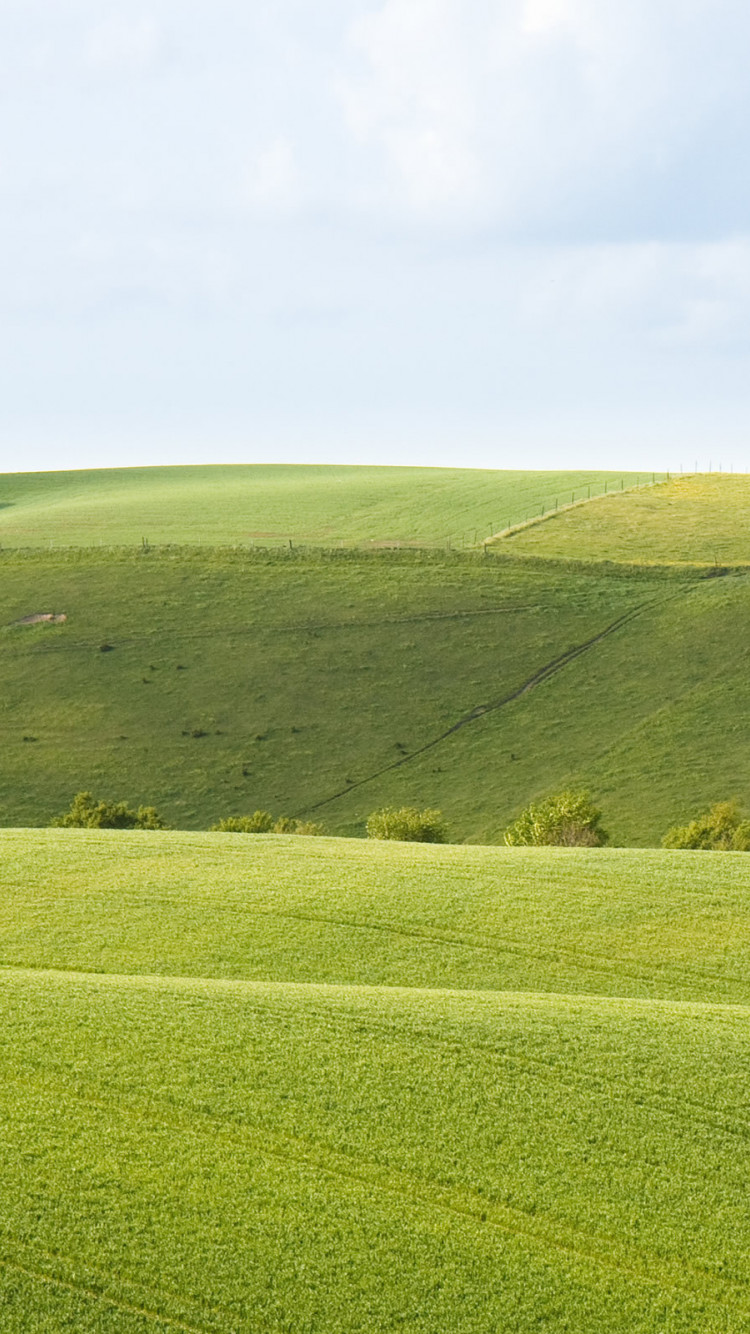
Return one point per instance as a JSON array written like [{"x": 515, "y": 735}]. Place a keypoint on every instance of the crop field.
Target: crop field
[
  {"x": 273, "y": 504},
  {"x": 272, "y": 1084},
  {"x": 330, "y": 686},
  {"x": 703, "y": 519}
]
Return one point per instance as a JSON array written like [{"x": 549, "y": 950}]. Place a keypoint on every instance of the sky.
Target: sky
[{"x": 482, "y": 233}]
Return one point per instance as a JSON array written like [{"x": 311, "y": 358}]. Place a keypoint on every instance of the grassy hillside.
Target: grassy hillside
[
  {"x": 271, "y": 1085},
  {"x": 698, "y": 519},
  {"x": 271, "y": 504},
  {"x": 648, "y": 924},
  {"x": 334, "y": 685}
]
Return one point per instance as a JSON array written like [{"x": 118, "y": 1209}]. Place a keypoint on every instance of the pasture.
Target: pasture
[
  {"x": 329, "y": 686},
  {"x": 269, "y": 505},
  {"x": 272, "y": 1084},
  {"x": 700, "y": 519}
]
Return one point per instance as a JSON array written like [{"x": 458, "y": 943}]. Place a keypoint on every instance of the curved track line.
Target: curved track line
[
  {"x": 542, "y": 674},
  {"x": 608, "y": 1253},
  {"x": 91, "y": 1294}
]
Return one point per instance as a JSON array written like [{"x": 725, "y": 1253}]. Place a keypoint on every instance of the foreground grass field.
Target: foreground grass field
[
  {"x": 271, "y": 504},
  {"x": 331, "y": 686},
  {"x": 267, "y": 1084},
  {"x": 703, "y": 519}
]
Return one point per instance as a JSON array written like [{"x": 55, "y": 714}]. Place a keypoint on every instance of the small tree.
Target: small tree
[
  {"x": 408, "y": 825},
  {"x": 87, "y": 813},
  {"x": 565, "y": 819},
  {"x": 721, "y": 829}
]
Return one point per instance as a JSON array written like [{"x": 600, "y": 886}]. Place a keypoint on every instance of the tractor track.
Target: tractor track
[{"x": 542, "y": 674}]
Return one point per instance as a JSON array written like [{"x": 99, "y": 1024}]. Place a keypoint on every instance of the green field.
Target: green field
[
  {"x": 272, "y": 504},
  {"x": 703, "y": 519},
  {"x": 330, "y": 686},
  {"x": 268, "y": 1084},
  {"x": 277, "y": 1085}
]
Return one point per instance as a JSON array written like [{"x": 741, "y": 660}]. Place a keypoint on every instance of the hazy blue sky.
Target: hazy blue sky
[{"x": 481, "y": 232}]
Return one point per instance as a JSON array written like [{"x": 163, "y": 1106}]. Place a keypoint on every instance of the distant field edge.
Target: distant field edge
[{"x": 303, "y": 553}]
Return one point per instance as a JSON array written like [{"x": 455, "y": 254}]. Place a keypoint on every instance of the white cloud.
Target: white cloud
[
  {"x": 130, "y": 45},
  {"x": 533, "y": 112},
  {"x": 654, "y": 294},
  {"x": 273, "y": 181},
  {"x": 416, "y": 100}
]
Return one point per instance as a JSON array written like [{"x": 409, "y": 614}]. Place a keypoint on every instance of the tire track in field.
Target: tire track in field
[
  {"x": 492, "y": 706},
  {"x": 546, "y": 1231},
  {"x": 91, "y": 1294},
  {"x": 178, "y": 634},
  {"x": 587, "y": 960}
]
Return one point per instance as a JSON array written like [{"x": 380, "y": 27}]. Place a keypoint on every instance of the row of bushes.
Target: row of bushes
[
  {"x": 566, "y": 819},
  {"x": 87, "y": 813}
]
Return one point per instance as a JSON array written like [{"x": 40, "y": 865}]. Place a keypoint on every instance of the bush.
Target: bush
[
  {"x": 408, "y": 825},
  {"x": 721, "y": 829},
  {"x": 88, "y": 813},
  {"x": 262, "y": 822},
  {"x": 287, "y": 824},
  {"x": 565, "y": 819}
]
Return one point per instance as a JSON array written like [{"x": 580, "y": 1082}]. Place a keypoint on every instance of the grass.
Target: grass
[
  {"x": 271, "y": 504},
  {"x": 274, "y": 908},
  {"x": 694, "y": 520},
  {"x": 267, "y": 1084},
  {"x": 332, "y": 686}
]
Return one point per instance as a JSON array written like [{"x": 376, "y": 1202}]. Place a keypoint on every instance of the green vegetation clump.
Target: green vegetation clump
[
  {"x": 408, "y": 825},
  {"x": 87, "y": 813},
  {"x": 567, "y": 819},
  {"x": 721, "y": 829},
  {"x": 262, "y": 822}
]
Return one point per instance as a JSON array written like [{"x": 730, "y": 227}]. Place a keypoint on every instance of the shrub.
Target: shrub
[
  {"x": 408, "y": 825},
  {"x": 565, "y": 819},
  {"x": 741, "y": 840},
  {"x": 260, "y": 822},
  {"x": 287, "y": 824},
  {"x": 88, "y": 813},
  {"x": 721, "y": 829}
]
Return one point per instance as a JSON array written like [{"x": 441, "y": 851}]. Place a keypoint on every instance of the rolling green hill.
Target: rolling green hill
[
  {"x": 331, "y": 685},
  {"x": 702, "y": 519},
  {"x": 265, "y": 1084},
  {"x": 271, "y": 504}
]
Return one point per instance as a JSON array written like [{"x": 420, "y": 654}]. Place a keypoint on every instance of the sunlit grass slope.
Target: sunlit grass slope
[
  {"x": 702, "y": 519},
  {"x": 263, "y": 1085},
  {"x": 333, "y": 686},
  {"x": 627, "y": 922},
  {"x": 272, "y": 504}
]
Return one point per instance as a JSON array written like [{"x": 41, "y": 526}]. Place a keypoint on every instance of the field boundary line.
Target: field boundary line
[
  {"x": 185, "y": 981},
  {"x": 536, "y": 519}
]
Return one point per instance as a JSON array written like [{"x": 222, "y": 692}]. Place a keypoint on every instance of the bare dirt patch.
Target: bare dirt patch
[{"x": 37, "y": 617}]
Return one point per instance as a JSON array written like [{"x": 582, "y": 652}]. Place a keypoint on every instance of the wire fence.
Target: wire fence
[{"x": 480, "y": 536}]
